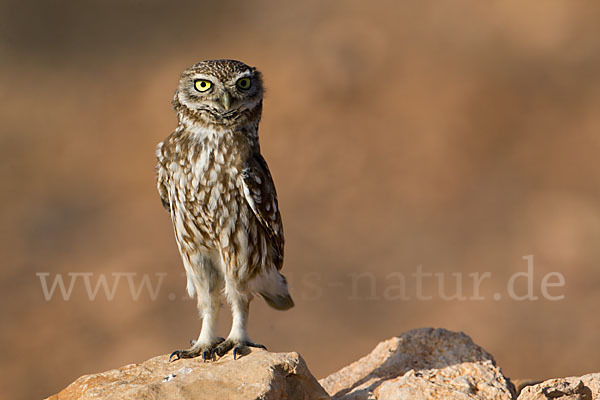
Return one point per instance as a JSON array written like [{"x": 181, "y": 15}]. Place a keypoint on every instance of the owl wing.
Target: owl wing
[
  {"x": 259, "y": 191},
  {"x": 162, "y": 191},
  {"x": 162, "y": 178}
]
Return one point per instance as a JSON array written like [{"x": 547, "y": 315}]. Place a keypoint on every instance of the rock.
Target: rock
[
  {"x": 258, "y": 375},
  {"x": 422, "y": 364},
  {"x": 520, "y": 383},
  {"x": 585, "y": 387}
]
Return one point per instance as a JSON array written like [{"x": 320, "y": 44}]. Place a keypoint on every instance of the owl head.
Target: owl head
[{"x": 220, "y": 93}]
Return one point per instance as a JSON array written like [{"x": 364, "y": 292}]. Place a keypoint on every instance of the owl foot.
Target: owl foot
[
  {"x": 240, "y": 347},
  {"x": 207, "y": 352},
  {"x": 194, "y": 341}
]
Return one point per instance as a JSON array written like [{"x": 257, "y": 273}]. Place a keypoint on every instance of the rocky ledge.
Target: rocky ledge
[{"x": 420, "y": 364}]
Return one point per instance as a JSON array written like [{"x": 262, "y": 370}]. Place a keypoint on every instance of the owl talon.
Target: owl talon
[
  {"x": 239, "y": 348},
  {"x": 173, "y": 354},
  {"x": 236, "y": 350},
  {"x": 184, "y": 354},
  {"x": 207, "y": 351}
]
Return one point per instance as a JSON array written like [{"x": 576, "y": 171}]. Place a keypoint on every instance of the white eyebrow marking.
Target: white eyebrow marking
[
  {"x": 203, "y": 76},
  {"x": 244, "y": 74},
  {"x": 240, "y": 76}
]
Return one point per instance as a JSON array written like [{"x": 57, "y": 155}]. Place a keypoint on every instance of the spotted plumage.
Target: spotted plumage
[{"x": 218, "y": 189}]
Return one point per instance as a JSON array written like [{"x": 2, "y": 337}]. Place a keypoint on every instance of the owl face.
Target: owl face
[{"x": 219, "y": 91}]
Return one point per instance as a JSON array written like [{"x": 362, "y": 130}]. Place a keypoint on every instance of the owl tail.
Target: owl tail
[
  {"x": 272, "y": 286},
  {"x": 279, "y": 302}
]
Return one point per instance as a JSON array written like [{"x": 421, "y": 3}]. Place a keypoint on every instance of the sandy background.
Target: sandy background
[{"x": 460, "y": 136}]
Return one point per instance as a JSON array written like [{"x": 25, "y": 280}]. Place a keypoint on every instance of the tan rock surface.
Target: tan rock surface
[
  {"x": 258, "y": 375},
  {"x": 422, "y": 364},
  {"x": 585, "y": 387},
  {"x": 418, "y": 365}
]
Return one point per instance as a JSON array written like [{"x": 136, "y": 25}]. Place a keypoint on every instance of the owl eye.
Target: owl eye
[
  {"x": 202, "y": 85},
  {"x": 243, "y": 83}
]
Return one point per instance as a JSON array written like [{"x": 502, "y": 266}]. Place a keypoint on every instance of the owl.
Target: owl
[{"x": 217, "y": 187}]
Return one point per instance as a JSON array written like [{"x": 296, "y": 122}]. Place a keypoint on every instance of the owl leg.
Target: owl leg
[
  {"x": 206, "y": 289},
  {"x": 238, "y": 337},
  {"x": 207, "y": 340}
]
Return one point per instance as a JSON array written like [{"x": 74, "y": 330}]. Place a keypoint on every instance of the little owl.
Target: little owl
[{"x": 217, "y": 187}]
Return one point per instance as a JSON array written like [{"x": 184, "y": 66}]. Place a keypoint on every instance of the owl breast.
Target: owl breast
[{"x": 209, "y": 212}]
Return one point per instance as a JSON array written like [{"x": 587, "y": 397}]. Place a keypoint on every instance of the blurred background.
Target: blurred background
[{"x": 459, "y": 136}]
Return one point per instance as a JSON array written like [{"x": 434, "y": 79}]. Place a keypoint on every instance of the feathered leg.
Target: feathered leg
[
  {"x": 238, "y": 337},
  {"x": 203, "y": 281}
]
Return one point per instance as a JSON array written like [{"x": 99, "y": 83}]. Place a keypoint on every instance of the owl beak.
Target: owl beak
[{"x": 226, "y": 100}]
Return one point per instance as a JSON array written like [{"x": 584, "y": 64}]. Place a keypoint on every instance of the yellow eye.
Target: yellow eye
[
  {"x": 243, "y": 83},
  {"x": 202, "y": 85}
]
